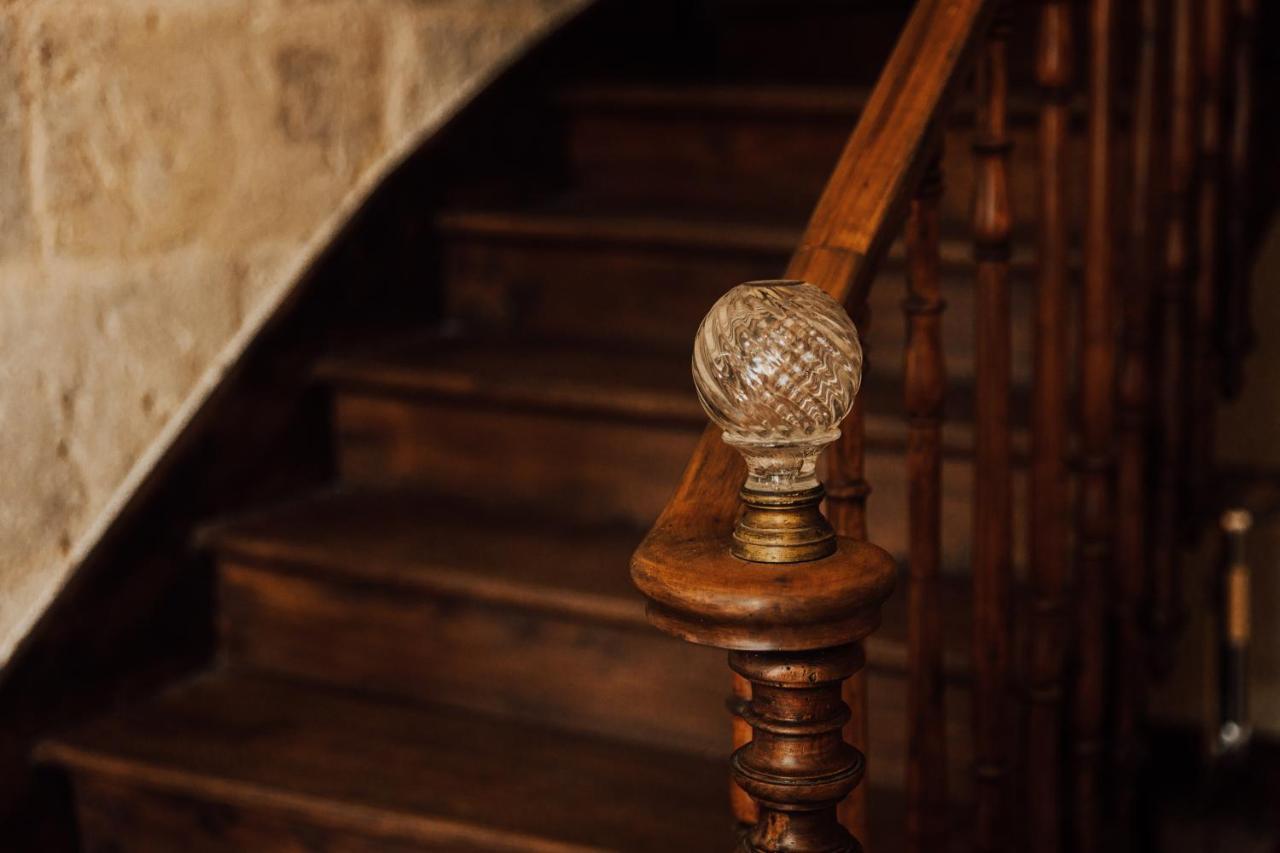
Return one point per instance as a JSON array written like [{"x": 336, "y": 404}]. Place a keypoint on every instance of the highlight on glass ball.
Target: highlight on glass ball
[{"x": 777, "y": 365}]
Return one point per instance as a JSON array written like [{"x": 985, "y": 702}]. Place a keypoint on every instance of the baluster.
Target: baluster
[
  {"x": 1132, "y": 511},
  {"x": 992, "y": 499},
  {"x": 1208, "y": 267},
  {"x": 1166, "y": 595},
  {"x": 1097, "y": 415},
  {"x": 1049, "y": 486},
  {"x": 847, "y": 493},
  {"x": 925, "y": 379},
  {"x": 1237, "y": 326}
]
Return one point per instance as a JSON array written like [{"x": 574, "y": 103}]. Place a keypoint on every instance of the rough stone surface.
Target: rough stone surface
[{"x": 165, "y": 170}]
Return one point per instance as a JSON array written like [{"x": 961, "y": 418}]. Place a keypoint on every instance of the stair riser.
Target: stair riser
[
  {"x": 625, "y": 680},
  {"x": 600, "y": 469},
  {"x": 778, "y": 163},
  {"x": 586, "y": 468},
  {"x": 620, "y": 680},
  {"x": 655, "y": 296}
]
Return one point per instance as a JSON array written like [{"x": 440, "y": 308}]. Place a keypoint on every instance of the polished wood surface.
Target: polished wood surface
[
  {"x": 425, "y": 775},
  {"x": 1097, "y": 432},
  {"x": 992, "y": 493},
  {"x": 1055, "y": 72},
  {"x": 925, "y": 383},
  {"x": 798, "y": 766}
]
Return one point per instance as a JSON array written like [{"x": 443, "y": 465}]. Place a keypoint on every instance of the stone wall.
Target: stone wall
[{"x": 166, "y": 169}]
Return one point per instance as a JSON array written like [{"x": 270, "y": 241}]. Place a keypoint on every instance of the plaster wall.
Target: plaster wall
[{"x": 166, "y": 170}]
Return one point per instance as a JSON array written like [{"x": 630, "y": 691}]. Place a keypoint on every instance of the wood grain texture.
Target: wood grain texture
[
  {"x": 1097, "y": 432},
  {"x": 798, "y": 766},
  {"x": 265, "y": 764},
  {"x": 925, "y": 384},
  {"x": 993, "y": 491},
  {"x": 1049, "y": 514}
]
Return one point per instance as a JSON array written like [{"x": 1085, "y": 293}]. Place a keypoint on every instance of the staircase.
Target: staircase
[{"x": 443, "y": 650}]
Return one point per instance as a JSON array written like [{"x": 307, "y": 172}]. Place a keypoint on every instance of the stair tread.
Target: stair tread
[
  {"x": 413, "y": 540},
  {"x": 422, "y": 773},
  {"x": 583, "y": 215},
  {"x": 548, "y": 374},
  {"x": 597, "y": 378},
  {"x": 754, "y": 99}
]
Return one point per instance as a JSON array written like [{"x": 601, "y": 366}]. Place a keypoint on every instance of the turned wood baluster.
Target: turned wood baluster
[
  {"x": 925, "y": 378},
  {"x": 1132, "y": 511},
  {"x": 1049, "y": 485},
  {"x": 1097, "y": 416},
  {"x": 1202, "y": 370},
  {"x": 992, "y": 500},
  {"x": 1166, "y": 593},
  {"x": 1237, "y": 326},
  {"x": 797, "y": 715},
  {"x": 847, "y": 493}
]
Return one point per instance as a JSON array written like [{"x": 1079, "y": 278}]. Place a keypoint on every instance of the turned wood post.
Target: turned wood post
[
  {"x": 777, "y": 366},
  {"x": 847, "y": 494},
  {"x": 992, "y": 489},
  {"x": 925, "y": 381},
  {"x": 1166, "y": 607},
  {"x": 798, "y": 766},
  {"x": 1097, "y": 425},
  {"x": 1132, "y": 504},
  {"x": 1049, "y": 436}
]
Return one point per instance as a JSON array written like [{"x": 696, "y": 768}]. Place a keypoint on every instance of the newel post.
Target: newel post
[{"x": 777, "y": 365}]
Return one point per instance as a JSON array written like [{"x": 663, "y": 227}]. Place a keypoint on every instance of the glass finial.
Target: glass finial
[{"x": 777, "y": 365}]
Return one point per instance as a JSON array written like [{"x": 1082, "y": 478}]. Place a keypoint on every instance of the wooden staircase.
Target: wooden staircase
[{"x": 443, "y": 651}]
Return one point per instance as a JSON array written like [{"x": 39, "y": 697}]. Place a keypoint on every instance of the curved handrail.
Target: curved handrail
[{"x": 854, "y": 222}]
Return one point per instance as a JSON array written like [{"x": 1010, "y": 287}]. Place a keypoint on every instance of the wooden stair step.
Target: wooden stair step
[
  {"x": 404, "y": 594},
  {"x": 765, "y": 146},
  {"x": 238, "y": 761},
  {"x": 576, "y": 268},
  {"x": 597, "y": 432}
]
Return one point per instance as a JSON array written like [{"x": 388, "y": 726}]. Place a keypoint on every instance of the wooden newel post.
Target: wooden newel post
[
  {"x": 777, "y": 365},
  {"x": 797, "y": 766}
]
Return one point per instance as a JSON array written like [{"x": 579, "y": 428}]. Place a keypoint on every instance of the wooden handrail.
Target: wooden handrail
[
  {"x": 795, "y": 629},
  {"x": 855, "y": 220}
]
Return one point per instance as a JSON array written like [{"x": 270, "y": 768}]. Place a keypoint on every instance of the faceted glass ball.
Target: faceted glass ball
[{"x": 777, "y": 365}]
